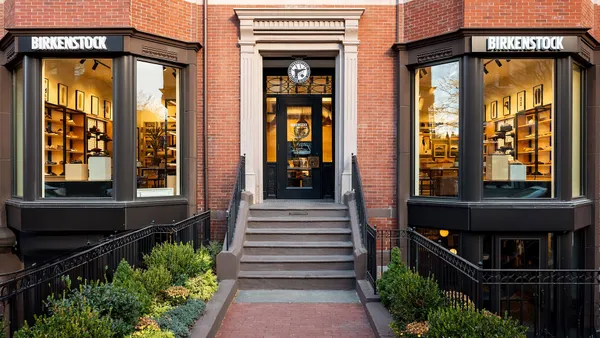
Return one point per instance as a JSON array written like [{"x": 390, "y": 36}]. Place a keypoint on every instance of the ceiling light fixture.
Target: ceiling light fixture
[
  {"x": 95, "y": 65},
  {"x": 498, "y": 62},
  {"x": 82, "y": 61},
  {"x": 164, "y": 69},
  {"x": 174, "y": 74},
  {"x": 485, "y": 70},
  {"x": 424, "y": 71}
]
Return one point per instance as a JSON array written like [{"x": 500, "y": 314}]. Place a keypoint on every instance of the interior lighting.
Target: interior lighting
[{"x": 444, "y": 233}]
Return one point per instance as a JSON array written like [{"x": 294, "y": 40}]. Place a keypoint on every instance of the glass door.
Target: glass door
[{"x": 299, "y": 144}]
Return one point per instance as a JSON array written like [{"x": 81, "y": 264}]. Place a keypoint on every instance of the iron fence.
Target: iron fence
[
  {"x": 23, "y": 295},
  {"x": 234, "y": 203},
  {"x": 550, "y": 302}
]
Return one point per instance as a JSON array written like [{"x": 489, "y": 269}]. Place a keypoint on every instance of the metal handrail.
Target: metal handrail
[
  {"x": 361, "y": 205},
  {"x": 234, "y": 203}
]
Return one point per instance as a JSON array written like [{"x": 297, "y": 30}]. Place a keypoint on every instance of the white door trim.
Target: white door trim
[{"x": 295, "y": 31}]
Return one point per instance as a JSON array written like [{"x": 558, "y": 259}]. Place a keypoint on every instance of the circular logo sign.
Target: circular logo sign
[{"x": 299, "y": 71}]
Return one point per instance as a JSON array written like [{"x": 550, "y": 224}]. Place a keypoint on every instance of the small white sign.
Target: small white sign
[
  {"x": 68, "y": 43},
  {"x": 524, "y": 43}
]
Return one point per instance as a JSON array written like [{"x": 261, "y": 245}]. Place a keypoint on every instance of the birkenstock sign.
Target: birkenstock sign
[
  {"x": 488, "y": 44},
  {"x": 70, "y": 43}
]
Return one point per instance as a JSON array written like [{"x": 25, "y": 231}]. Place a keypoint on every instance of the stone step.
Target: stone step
[
  {"x": 297, "y": 263},
  {"x": 305, "y": 209},
  {"x": 297, "y": 280},
  {"x": 298, "y": 234},
  {"x": 297, "y": 248},
  {"x": 298, "y": 222}
]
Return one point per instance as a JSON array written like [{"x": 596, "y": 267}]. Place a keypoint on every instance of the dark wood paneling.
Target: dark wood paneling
[{"x": 440, "y": 216}]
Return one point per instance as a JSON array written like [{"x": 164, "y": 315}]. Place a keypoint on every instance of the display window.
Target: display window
[
  {"x": 158, "y": 142},
  {"x": 77, "y": 128},
  {"x": 436, "y": 144},
  {"x": 577, "y": 134},
  {"x": 519, "y": 128}
]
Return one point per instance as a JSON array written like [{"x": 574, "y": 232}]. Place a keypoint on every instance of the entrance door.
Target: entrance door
[
  {"x": 529, "y": 303},
  {"x": 299, "y": 147}
]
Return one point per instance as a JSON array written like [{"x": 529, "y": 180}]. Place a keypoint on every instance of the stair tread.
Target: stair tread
[
  {"x": 303, "y": 231},
  {"x": 298, "y": 219},
  {"x": 307, "y": 206},
  {"x": 294, "y": 259},
  {"x": 303, "y": 244},
  {"x": 298, "y": 274}
]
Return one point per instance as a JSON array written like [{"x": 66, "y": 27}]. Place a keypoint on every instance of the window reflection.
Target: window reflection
[
  {"x": 437, "y": 118},
  {"x": 158, "y": 151}
]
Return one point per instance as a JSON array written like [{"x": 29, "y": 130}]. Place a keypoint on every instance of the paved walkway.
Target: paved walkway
[{"x": 287, "y": 313}]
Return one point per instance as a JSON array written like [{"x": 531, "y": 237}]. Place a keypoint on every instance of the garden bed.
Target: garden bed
[{"x": 164, "y": 299}]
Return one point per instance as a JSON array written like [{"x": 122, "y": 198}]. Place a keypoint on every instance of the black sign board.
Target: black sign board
[{"x": 69, "y": 43}]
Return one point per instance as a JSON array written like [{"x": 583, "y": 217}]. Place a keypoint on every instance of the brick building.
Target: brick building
[{"x": 119, "y": 113}]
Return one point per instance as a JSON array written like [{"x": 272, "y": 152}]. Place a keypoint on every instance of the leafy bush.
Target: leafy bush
[
  {"x": 156, "y": 279},
  {"x": 159, "y": 307},
  {"x": 69, "y": 320},
  {"x": 129, "y": 279},
  {"x": 459, "y": 300},
  {"x": 203, "y": 287},
  {"x": 451, "y": 322},
  {"x": 180, "y": 260},
  {"x": 385, "y": 285},
  {"x": 176, "y": 295},
  {"x": 3, "y": 326},
  {"x": 180, "y": 319},
  {"x": 412, "y": 297},
  {"x": 411, "y": 330},
  {"x": 148, "y": 328},
  {"x": 214, "y": 247}
]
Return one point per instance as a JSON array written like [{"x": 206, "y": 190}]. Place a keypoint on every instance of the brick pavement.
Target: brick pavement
[{"x": 306, "y": 320}]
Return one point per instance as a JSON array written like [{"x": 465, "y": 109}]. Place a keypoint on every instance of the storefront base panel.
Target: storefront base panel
[
  {"x": 552, "y": 216},
  {"x": 92, "y": 217}
]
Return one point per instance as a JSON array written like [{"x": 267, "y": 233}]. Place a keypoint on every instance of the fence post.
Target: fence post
[{"x": 479, "y": 286}]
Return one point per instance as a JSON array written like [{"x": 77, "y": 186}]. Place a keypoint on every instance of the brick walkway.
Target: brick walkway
[{"x": 277, "y": 320}]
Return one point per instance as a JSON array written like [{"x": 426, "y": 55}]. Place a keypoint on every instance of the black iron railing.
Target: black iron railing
[
  {"x": 359, "y": 196},
  {"x": 234, "y": 203},
  {"x": 552, "y": 303},
  {"x": 23, "y": 295}
]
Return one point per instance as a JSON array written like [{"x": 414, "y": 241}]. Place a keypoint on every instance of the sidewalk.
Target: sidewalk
[{"x": 289, "y": 313}]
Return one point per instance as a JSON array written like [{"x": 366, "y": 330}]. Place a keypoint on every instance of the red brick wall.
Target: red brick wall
[
  {"x": 527, "y": 13},
  {"x": 596, "y": 27},
  {"x": 425, "y": 18},
  {"x": 80, "y": 13},
  {"x": 377, "y": 107},
  {"x": 176, "y": 19}
]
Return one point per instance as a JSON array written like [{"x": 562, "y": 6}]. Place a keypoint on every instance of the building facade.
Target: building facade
[{"x": 473, "y": 121}]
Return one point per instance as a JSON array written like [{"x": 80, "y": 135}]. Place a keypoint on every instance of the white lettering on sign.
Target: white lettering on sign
[
  {"x": 68, "y": 43},
  {"x": 524, "y": 43}
]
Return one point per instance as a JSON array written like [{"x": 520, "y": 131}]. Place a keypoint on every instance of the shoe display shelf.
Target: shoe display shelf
[
  {"x": 98, "y": 148},
  {"x": 498, "y": 146},
  {"x": 535, "y": 142}
]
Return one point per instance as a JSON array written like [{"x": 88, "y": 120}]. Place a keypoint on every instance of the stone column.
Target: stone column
[
  {"x": 247, "y": 125},
  {"x": 350, "y": 101}
]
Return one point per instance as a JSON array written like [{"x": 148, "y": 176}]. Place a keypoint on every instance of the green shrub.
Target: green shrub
[
  {"x": 129, "y": 279},
  {"x": 156, "y": 279},
  {"x": 159, "y": 307},
  {"x": 385, "y": 285},
  {"x": 203, "y": 287},
  {"x": 180, "y": 319},
  {"x": 69, "y": 320},
  {"x": 148, "y": 328},
  {"x": 180, "y": 260},
  {"x": 3, "y": 326},
  {"x": 412, "y": 297},
  {"x": 452, "y": 322},
  {"x": 214, "y": 247},
  {"x": 176, "y": 295}
]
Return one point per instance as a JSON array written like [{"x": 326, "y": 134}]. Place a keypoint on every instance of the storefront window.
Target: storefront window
[
  {"x": 446, "y": 238},
  {"x": 518, "y": 131},
  {"x": 436, "y": 130},
  {"x": 18, "y": 130},
  {"x": 577, "y": 135},
  {"x": 77, "y": 131},
  {"x": 158, "y": 151}
]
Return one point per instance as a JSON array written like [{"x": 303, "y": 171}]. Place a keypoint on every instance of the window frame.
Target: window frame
[
  {"x": 557, "y": 179},
  {"x": 180, "y": 125},
  {"x": 413, "y": 124},
  {"x": 582, "y": 130},
  {"x": 15, "y": 129}
]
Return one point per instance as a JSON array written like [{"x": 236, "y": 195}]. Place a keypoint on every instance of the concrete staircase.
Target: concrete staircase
[{"x": 298, "y": 245}]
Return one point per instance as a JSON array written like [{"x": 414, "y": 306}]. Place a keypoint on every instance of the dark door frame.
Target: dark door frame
[{"x": 283, "y": 191}]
